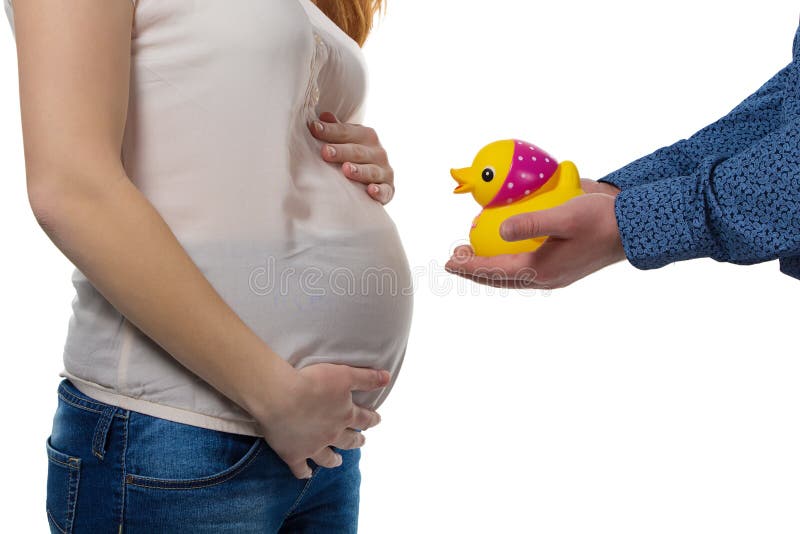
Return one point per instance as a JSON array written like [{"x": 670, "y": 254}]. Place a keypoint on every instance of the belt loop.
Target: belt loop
[{"x": 101, "y": 431}]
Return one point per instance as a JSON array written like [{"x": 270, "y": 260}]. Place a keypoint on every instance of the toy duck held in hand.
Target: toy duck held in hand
[{"x": 508, "y": 178}]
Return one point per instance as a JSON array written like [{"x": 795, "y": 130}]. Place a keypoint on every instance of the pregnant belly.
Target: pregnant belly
[{"x": 344, "y": 299}]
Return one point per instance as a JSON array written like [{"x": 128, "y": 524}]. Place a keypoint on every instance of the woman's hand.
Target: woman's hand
[
  {"x": 313, "y": 410},
  {"x": 583, "y": 238},
  {"x": 359, "y": 151}
]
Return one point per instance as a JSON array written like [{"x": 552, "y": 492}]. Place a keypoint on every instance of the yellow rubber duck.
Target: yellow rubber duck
[{"x": 508, "y": 178}]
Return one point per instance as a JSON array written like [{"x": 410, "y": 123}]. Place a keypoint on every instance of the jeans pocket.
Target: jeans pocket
[
  {"x": 164, "y": 454},
  {"x": 63, "y": 475}
]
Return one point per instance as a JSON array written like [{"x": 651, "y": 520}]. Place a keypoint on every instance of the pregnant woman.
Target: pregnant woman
[{"x": 242, "y": 298}]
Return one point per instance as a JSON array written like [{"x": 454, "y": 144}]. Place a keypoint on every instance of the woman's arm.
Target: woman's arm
[
  {"x": 757, "y": 116},
  {"x": 74, "y": 62}
]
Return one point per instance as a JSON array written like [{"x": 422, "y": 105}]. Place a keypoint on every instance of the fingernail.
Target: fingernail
[
  {"x": 352, "y": 168},
  {"x": 318, "y": 126},
  {"x": 331, "y": 151},
  {"x": 338, "y": 460}
]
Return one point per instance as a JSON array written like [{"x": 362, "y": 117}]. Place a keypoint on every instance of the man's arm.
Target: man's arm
[
  {"x": 744, "y": 209},
  {"x": 757, "y": 116}
]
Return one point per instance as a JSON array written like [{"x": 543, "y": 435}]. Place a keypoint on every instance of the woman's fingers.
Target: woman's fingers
[
  {"x": 364, "y": 419},
  {"x": 352, "y": 153},
  {"x": 367, "y": 173},
  {"x": 341, "y": 132},
  {"x": 359, "y": 151},
  {"x": 301, "y": 469},
  {"x": 350, "y": 439},
  {"x": 379, "y": 180},
  {"x": 383, "y": 193},
  {"x": 320, "y": 413},
  {"x": 327, "y": 116},
  {"x": 327, "y": 458},
  {"x": 364, "y": 379}
]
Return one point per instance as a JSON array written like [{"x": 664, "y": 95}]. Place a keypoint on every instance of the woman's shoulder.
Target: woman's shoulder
[{"x": 9, "y": 9}]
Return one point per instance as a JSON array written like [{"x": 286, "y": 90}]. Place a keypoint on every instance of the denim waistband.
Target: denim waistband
[{"x": 70, "y": 394}]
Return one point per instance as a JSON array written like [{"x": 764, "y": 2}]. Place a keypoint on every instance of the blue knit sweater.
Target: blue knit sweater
[{"x": 730, "y": 192}]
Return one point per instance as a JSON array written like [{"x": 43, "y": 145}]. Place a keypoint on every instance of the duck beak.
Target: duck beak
[{"x": 460, "y": 176}]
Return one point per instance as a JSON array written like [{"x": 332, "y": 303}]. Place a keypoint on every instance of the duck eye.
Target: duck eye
[{"x": 488, "y": 174}]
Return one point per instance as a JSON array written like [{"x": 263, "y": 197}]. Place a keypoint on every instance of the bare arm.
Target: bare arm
[{"x": 74, "y": 64}]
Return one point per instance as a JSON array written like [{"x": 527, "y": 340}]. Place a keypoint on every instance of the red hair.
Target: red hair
[{"x": 353, "y": 16}]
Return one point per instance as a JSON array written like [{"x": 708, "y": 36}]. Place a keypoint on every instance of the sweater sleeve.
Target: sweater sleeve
[
  {"x": 756, "y": 117},
  {"x": 744, "y": 209}
]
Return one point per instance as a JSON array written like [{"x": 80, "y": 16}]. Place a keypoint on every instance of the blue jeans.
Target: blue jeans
[{"x": 114, "y": 470}]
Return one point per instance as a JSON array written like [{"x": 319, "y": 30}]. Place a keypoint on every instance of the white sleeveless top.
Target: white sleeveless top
[{"x": 216, "y": 139}]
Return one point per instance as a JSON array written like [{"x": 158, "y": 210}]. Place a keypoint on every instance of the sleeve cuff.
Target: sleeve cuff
[
  {"x": 664, "y": 163},
  {"x": 662, "y": 222},
  {"x": 621, "y": 179},
  {"x": 611, "y": 179},
  {"x": 791, "y": 266}
]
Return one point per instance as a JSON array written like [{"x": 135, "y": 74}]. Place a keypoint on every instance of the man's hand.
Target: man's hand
[{"x": 583, "y": 238}]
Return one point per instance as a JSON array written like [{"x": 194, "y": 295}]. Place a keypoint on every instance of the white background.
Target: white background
[{"x": 661, "y": 401}]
